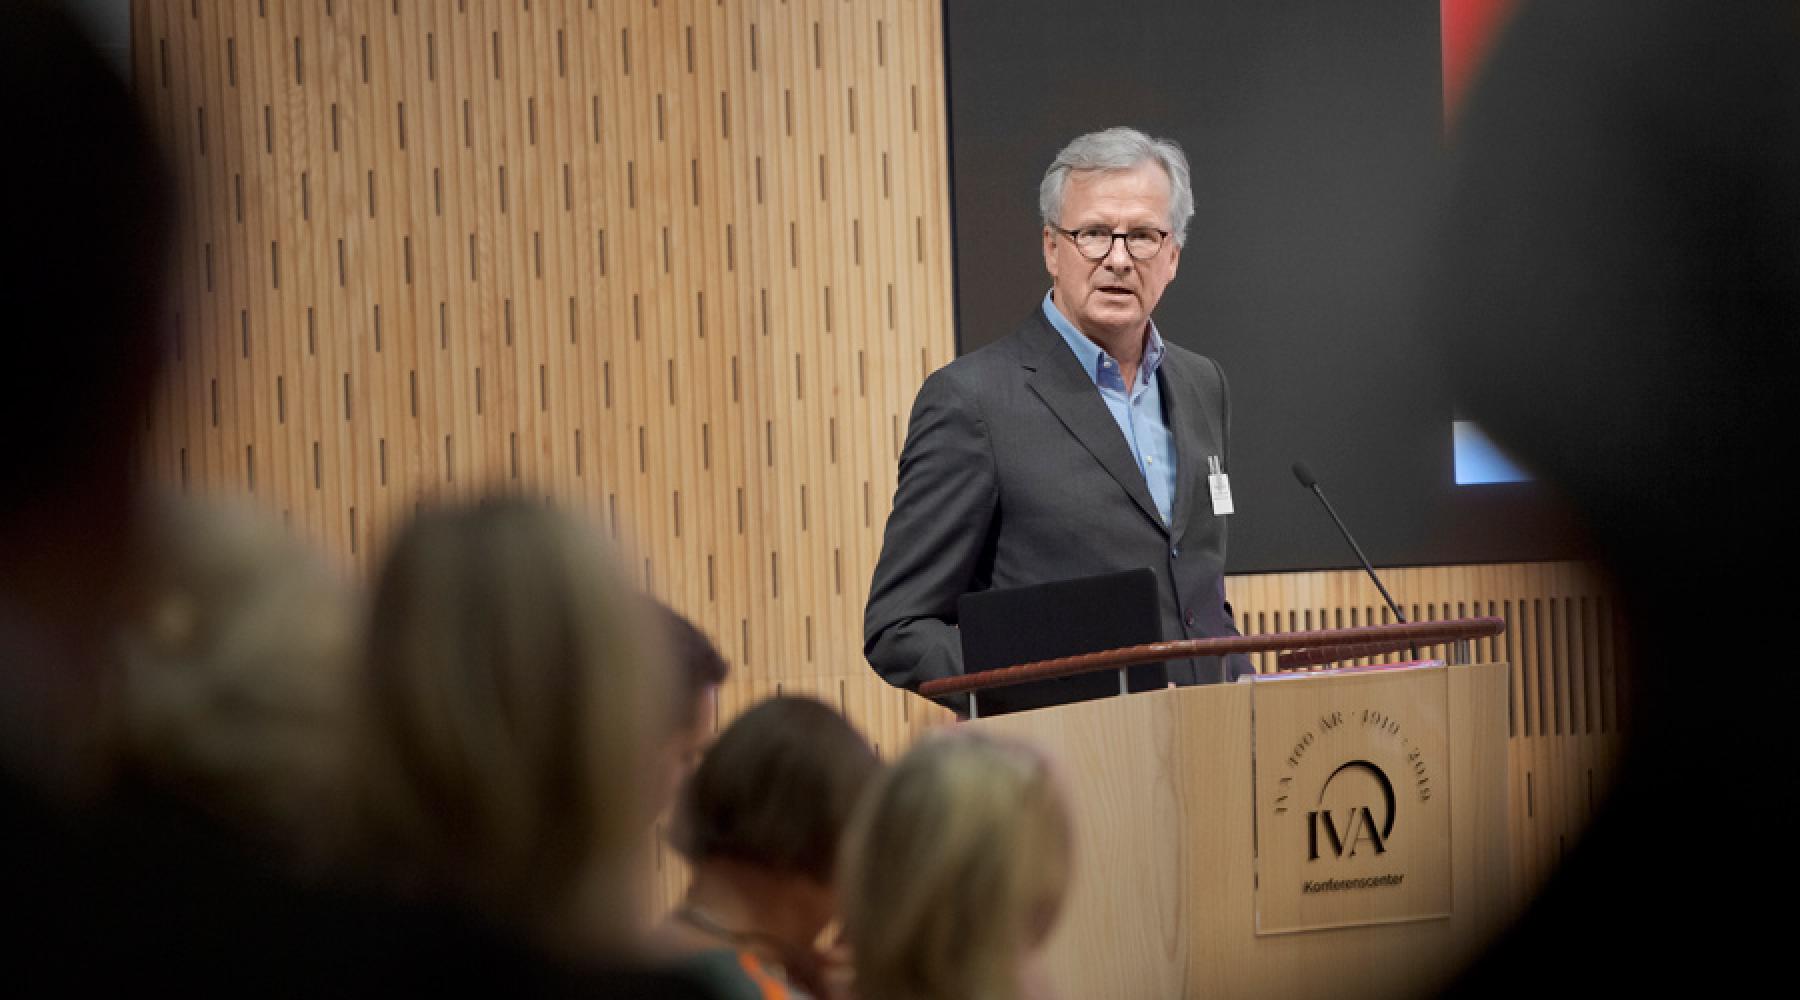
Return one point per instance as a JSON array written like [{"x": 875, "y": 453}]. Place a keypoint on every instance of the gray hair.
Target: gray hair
[{"x": 1119, "y": 148}]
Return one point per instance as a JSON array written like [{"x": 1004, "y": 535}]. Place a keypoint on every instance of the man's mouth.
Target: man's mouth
[{"x": 1116, "y": 290}]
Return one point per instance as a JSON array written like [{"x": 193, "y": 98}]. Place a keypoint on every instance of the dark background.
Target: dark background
[{"x": 1316, "y": 137}]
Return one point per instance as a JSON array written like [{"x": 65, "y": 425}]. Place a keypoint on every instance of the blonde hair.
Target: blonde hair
[
  {"x": 512, "y": 697},
  {"x": 955, "y": 868},
  {"x": 233, "y": 687}
]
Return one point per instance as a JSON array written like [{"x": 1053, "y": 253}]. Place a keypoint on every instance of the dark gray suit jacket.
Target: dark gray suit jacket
[{"x": 1015, "y": 473}]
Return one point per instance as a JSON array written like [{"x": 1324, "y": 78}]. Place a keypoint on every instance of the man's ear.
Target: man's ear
[
  {"x": 1174, "y": 257},
  {"x": 1050, "y": 251}
]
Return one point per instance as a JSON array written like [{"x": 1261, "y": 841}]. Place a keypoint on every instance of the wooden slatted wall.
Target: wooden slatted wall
[{"x": 680, "y": 264}]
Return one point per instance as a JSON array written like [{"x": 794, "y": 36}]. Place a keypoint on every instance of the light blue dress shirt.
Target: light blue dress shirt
[{"x": 1139, "y": 413}]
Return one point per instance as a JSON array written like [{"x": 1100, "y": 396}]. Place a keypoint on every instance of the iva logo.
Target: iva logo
[{"x": 1344, "y": 832}]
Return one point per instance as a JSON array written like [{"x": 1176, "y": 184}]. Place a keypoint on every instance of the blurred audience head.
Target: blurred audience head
[
  {"x": 513, "y": 703},
  {"x": 761, "y": 820},
  {"x": 235, "y": 664},
  {"x": 83, "y": 243},
  {"x": 955, "y": 870},
  {"x": 85, "y": 230},
  {"x": 699, "y": 672},
  {"x": 776, "y": 791},
  {"x": 1618, "y": 278}
]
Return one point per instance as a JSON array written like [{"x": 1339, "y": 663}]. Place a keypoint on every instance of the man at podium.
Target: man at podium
[{"x": 1081, "y": 444}]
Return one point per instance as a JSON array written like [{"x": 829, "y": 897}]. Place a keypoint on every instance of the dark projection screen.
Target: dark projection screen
[{"x": 1315, "y": 132}]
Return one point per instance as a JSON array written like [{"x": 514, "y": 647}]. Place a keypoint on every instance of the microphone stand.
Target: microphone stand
[{"x": 1306, "y": 479}]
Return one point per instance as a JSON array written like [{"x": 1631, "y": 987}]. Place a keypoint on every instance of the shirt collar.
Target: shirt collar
[{"x": 1090, "y": 354}]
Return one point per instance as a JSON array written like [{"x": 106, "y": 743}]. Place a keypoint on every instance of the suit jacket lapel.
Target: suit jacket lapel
[
  {"x": 1184, "y": 409},
  {"x": 1069, "y": 392}
]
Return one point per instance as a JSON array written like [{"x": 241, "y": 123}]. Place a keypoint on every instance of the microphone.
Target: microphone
[{"x": 1302, "y": 473}]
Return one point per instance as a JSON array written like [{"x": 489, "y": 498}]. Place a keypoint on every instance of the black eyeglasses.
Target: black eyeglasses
[{"x": 1095, "y": 242}]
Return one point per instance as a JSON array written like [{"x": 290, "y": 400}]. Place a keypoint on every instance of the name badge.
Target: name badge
[{"x": 1220, "y": 484}]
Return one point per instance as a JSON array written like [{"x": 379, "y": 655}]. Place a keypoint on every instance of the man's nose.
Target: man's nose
[{"x": 1117, "y": 258}]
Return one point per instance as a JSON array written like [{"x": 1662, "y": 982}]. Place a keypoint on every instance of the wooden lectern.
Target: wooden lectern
[{"x": 1334, "y": 833}]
